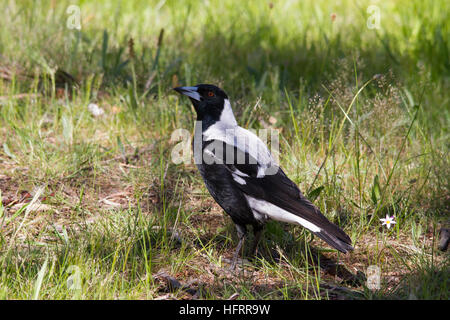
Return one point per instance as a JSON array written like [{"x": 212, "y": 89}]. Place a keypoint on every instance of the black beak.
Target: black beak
[{"x": 191, "y": 92}]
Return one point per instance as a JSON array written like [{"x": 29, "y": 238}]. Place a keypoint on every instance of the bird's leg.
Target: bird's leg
[
  {"x": 241, "y": 234},
  {"x": 257, "y": 231}
]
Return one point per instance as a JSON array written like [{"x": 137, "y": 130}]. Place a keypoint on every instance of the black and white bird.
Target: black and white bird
[{"x": 242, "y": 176}]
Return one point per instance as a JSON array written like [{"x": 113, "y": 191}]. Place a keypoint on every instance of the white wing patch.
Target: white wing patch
[
  {"x": 226, "y": 130},
  {"x": 241, "y": 138},
  {"x": 266, "y": 208},
  {"x": 240, "y": 173},
  {"x": 238, "y": 179}
]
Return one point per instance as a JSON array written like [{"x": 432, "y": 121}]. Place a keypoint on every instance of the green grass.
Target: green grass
[{"x": 363, "y": 116}]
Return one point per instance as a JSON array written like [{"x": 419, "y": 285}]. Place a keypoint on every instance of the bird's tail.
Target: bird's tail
[{"x": 335, "y": 237}]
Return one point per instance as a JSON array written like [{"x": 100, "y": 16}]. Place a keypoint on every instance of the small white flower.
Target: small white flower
[
  {"x": 95, "y": 110},
  {"x": 388, "y": 221}
]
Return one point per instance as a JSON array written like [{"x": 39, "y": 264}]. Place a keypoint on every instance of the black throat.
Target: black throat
[
  {"x": 209, "y": 113},
  {"x": 207, "y": 121}
]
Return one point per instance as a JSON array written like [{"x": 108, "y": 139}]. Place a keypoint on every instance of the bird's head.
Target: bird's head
[{"x": 210, "y": 103}]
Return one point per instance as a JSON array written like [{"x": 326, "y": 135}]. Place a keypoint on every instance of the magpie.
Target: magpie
[{"x": 241, "y": 175}]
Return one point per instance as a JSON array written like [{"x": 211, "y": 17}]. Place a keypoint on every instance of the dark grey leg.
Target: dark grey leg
[
  {"x": 241, "y": 234},
  {"x": 257, "y": 232}
]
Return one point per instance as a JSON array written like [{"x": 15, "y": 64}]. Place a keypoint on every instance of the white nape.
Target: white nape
[{"x": 227, "y": 117}]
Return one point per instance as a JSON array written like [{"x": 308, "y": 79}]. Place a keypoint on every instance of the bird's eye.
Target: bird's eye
[{"x": 210, "y": 94}]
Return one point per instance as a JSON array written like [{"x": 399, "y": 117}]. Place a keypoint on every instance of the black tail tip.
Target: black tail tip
[
  {"x": 345, "y": 247},
  {"x": 342, "y": 245}
]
